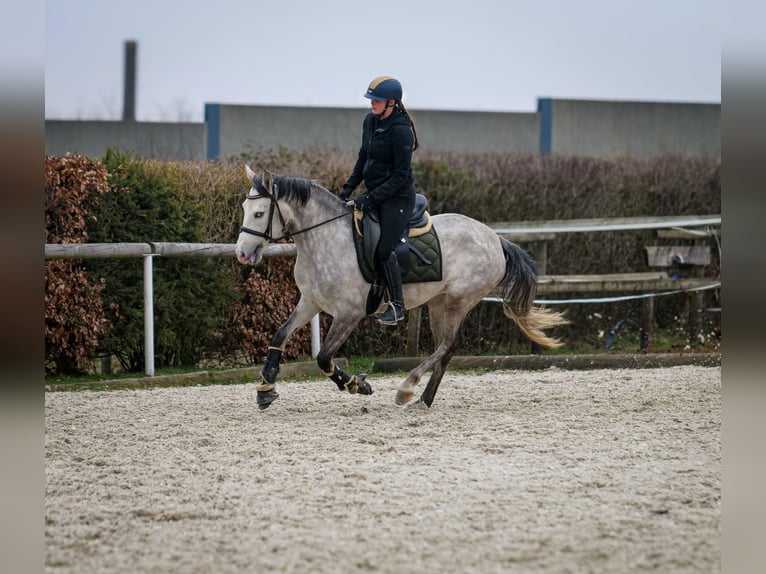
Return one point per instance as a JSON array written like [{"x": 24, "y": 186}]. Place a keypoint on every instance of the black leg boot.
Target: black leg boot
[{"x": 393, "y": 278}]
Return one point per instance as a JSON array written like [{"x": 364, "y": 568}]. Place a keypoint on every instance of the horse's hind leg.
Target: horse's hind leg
[
  {"x": 440, "y": 329},
  {"x": 445, "y": 317},
  {"x": 436, "y": 377}
]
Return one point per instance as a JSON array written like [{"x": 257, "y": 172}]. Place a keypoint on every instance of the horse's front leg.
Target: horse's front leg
[
  {"x": 302, "y": 314},
  {"x": 342, "y": 326}
]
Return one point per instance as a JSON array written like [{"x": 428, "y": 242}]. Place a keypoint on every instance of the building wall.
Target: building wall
[
  {"x": 637, "y": 129},
  {"x": 233, "y": 130},
  {"x": 178, "y": 141},
  {"x": 570, "y": 127},
  {"x": 477, "y": 132}
]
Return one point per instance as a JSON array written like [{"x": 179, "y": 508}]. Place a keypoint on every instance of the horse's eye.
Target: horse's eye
[{"x": 258, "y": 214}]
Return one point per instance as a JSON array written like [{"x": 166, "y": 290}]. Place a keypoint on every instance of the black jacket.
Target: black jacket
[{"x": 384, "y": 158}]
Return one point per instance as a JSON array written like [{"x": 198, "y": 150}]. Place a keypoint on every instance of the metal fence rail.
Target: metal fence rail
[
  {"x": 538, "y": 231},
  {"x": 150, "y": 250}
]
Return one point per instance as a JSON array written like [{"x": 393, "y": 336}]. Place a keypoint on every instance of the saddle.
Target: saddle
[{"x": 418, "y": 252}]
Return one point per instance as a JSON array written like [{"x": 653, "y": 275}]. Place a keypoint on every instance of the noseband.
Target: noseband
[{"x": 274, "y": 205}]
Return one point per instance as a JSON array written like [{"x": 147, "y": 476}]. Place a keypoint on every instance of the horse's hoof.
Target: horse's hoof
[
  {"x": 418, "y": 404},
  {"x": 264, "y": 398},
  {"x": 363, "y": 387},
  {"x": 403, "y": 397}
]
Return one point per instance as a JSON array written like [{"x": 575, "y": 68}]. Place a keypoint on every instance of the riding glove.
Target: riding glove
[
  {"x": 345, "y": 194},
  {"x": 363, "y": 201}
]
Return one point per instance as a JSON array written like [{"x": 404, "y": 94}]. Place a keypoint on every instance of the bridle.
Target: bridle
[{"x": 274, "y": 205}]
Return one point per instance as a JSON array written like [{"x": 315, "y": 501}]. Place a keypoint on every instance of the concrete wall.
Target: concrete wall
[
  {"x": 233, "y": 130},
  {"x": 570, "y": 127},
  {"x": 477, "y": 132},
  {"x": 176, "y": 141},
  {"x": 638, "y": 129}
]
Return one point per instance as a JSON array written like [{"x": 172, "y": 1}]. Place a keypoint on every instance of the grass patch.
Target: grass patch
[
  {"x": 621, "y": 342},
  {"x": 96, "y": 378}
]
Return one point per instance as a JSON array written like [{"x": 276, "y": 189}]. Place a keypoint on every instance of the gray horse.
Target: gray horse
[{"x": 476, "y": 261}]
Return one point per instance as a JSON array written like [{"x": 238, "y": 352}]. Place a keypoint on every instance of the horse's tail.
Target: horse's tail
[{"x": 519, "y": 285}]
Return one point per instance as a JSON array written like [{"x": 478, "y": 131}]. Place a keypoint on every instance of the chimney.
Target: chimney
[{"x": 129, "y": 98}]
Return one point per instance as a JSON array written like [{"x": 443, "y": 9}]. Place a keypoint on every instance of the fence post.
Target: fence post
[
  {"x": 647, "y": 324},
  {"x": 696, "y": 303},
  {"x": 316, "y": 341},
  {"x": 541, "y": 258},
  {"x": 148, "y": 317}
]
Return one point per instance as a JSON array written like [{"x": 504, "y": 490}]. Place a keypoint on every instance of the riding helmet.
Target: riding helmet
[{"x": 384, "y": 88}]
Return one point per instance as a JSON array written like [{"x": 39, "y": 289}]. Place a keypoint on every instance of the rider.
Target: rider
[{"x": 384, "y": 163}]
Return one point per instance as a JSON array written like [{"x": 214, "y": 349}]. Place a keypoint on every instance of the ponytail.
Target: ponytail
[{"x": 400, "y": 104}]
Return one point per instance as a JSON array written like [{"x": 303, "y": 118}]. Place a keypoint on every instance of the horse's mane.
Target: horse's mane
[{"x": 292, "y": 189}]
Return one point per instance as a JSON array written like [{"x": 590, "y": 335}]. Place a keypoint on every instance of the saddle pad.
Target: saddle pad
[{"x": 414, "y": 270}]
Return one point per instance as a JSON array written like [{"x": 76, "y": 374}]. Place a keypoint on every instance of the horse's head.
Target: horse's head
[
  {"x": 263, "y": 221},
  {"x": 278, "y": 207}
]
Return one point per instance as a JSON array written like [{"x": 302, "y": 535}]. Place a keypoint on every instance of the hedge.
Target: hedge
[{"x": 214, "y": 311}]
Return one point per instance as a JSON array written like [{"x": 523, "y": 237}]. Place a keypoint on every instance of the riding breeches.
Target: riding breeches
[{"x": 394, "y": 215}]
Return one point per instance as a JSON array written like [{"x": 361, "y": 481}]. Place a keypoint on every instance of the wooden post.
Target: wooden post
[
  {"x": 541, "y": 257},
  {"x": 106, "y": 364},
  {"x": 696, "y": 304},
  {"x": 695, "y": 316},
  {"x": 647, "y": 323},
  {"x": 413, "y": 331}
]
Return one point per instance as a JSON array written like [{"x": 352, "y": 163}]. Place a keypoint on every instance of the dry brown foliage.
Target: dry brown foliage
[
  {"x": 74, "y": 312},
  {"x": 269, "y": 296}
]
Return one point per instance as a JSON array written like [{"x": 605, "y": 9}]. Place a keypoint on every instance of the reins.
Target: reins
[{"x": 267, "y": 235}]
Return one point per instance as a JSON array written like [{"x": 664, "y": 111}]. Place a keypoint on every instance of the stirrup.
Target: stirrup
[{"x": 390, "y": 316}]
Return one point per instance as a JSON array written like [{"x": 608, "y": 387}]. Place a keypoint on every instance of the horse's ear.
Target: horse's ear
[
  {"x": 267, "y": 181},
  {"x": 250, "y": 173}
]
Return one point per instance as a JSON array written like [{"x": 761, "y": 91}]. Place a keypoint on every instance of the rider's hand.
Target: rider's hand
[
  {"x": 344, "y": 194},
  {"x": 362, "y": 201}
]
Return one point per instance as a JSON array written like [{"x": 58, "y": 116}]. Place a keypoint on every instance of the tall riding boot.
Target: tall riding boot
[{"x": 393, "y": 278}]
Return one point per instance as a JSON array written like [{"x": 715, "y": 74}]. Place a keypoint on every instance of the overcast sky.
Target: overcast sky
[{"x": 491, "y": 55}]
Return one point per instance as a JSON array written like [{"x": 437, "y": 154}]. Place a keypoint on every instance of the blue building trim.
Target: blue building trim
[
  {"x": 213, "y": 123},
  {"x": 545, "y": 109}
]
